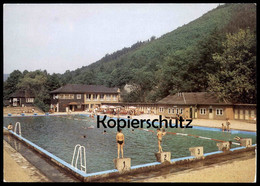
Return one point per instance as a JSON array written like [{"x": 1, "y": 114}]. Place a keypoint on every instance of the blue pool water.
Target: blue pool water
[{"x": 59, "y": 135}]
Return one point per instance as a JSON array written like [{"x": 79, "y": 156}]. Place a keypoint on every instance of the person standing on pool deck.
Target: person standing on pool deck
[
  {"x": 159, "y": 137},
  {"x": 223, "y": 127},
  {"x": 228, "y": 123},
  {"x": 120, "y": 139}
]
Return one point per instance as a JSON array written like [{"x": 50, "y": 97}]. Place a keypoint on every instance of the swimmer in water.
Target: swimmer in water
[
  {"x": 237, "y": 138},
  {"x": 84, "y": 136},
  {"x": 120, "y": 139},
  {"x": 91, "y": 127},
  {"x": 104, "y": 132}
]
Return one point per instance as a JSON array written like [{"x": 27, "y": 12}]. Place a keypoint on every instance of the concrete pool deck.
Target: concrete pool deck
[{"x": 241, "y": 170}]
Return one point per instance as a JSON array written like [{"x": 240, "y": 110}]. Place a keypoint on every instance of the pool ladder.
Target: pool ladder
[
  {"x": 81, "y": 151},
  {"x": 19, "y": 127}
]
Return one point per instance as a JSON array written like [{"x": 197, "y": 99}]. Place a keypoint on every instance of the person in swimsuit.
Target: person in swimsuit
[
  {"x": 120, "y": 139},
  {"x": 160, "y": 134},
  {"x": 10, "y": 126},
  {"x": 228, "y": 125}
]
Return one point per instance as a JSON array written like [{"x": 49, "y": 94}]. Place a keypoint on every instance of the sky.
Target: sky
[{"x": 60, "y": 37}]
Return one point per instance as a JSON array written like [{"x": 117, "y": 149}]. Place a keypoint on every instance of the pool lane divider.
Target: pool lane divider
[
  {"x": 183, "y": 134},
  {"x": 107, "y": 173}
]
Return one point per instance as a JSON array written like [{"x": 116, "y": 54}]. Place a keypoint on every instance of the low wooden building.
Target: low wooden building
[
  {"x": 22, "y": 98},
  {"x": 245, "y": 111},
  {"x": 201, "y": 105},
  {"x": 204, "y": 105},
  {"x": 78, "y": 97},
  {"x": 195, "y": 105}
]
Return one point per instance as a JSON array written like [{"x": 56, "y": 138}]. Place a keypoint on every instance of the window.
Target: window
[
  {"x": 29, "y": 100},
  {"x": 177, "y": 111},
  {"x": 202, "y": 111},
  {"x": 78, "y": 96},
  {"x": 180, "y": 110},
  {"x": 114, "y": 97},
  {"x": 95, "y": 97},
  {"x": 66, "y": 96},
  {"x": 169, "y": 110},
  {"x": 252, "y": 114},
  {"x": 108, "y": 97},
  {"x": 101, "y": 97},
  {"x": 160, "y": 109},
  {"x": 173, "y": 110},
  {"x": 88, "y": 97},
  {"x": 70, "y": 96},
  {"x": 219, "y": 112},
  {"x": 61, "y": 96}
]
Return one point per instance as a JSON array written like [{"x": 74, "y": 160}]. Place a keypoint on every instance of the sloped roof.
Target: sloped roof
[
  {"x": 22, "y": 94},
  {"x": 193, "y": 98},
  {"x": 79, "y": 88}
]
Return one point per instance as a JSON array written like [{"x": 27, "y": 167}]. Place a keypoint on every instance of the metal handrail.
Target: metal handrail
[
  {"x": 81, "y": 151},
  {"x": 15, "y": 128}
]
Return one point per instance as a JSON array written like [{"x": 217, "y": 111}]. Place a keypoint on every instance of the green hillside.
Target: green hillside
[
  {"x": 150, "y": 54},
  {"x": 216, "y": 52},
  {"x": 149, "y": 66}
]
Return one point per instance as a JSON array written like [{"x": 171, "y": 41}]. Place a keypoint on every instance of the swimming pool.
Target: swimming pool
[{"x": 59, "y": 135}]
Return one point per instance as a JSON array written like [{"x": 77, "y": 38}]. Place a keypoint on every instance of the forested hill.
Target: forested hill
[
  {"x": 177, "y": 61},
  {"x": 216, "y": 52},
  {"x": 117, "y": 69}
]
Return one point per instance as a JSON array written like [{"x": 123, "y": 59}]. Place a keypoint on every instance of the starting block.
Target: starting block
[
  {"x": 224, "y": 146},
  {"x": 196, "y": 151},
  {"x": 246, "y": 142},
  {"x": 163, "y": 156},
  {"x": 122, "y": 164}
]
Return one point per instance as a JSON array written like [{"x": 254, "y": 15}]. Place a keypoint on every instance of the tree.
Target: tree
[
  {"x": 152, "y": 38},
  {"x": 10, "y": 85},
  {"x": 236, "y": 79},
  {"x": 32, "y": 81},
  {"x": 203, "y": 63},
  {"x": 36, "y": 82},
  {"x": 53, "y": 82}
]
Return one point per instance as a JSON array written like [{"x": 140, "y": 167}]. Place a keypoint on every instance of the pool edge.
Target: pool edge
[{"x": 88, "y": 177}]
